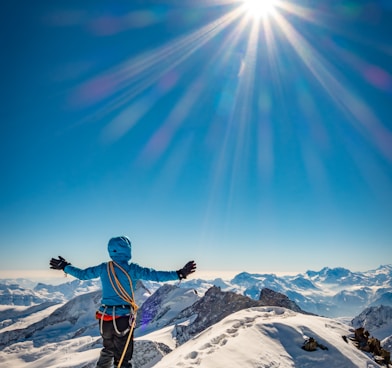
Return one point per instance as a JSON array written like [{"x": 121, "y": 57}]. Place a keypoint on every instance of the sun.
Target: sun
[{"x": 259, "y": 8}]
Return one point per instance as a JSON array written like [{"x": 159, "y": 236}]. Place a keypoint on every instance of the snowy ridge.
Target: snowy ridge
[
  {"x": 76, "y": 319},
  {"x": 331, "y": 292},
  {"x": 268, "y": 337},
  {"x": 162, "y": 307},
  {"x": 215, "y": 331},
  {"x": 335, "y": 292},
  {"x": 376, "y": 320},
  {"x": 72, "y": 327},
  {"x": 212, "y": 308},
  {"x": 12, "y": 293},
  {"x": 206, "y": 326}
]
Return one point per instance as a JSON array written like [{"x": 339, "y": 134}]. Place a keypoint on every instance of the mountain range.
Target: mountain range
[
  {"x": 252, "y": 320},
  {"x": 330, "y": 292}
]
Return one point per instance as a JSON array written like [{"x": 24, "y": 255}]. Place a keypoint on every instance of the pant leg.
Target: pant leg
[
  {"x": 120, "y": 341},
  {"x": 107, "y": 353},
  {"x": 126, "y": 363}
]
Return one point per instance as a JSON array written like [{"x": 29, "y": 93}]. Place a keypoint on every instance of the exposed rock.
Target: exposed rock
[
  {"x": 363, "y": 341},
  {"x": 212, "y": 308},
  {"x": 216, "y": 305},
  {"x": 311, "y": 344},
  {"x": 147, "y": 353},
  {"x": 275, "y": 299}
]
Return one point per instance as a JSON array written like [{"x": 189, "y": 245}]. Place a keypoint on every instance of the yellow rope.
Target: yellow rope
[
  {"x": 123, "y": 294},
  {"x": 118, "y": 288}
]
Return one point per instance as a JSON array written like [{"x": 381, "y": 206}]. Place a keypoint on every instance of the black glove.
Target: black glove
[
  {"x": 189, "y": 268},
  {"x": 58, "y": 264}
]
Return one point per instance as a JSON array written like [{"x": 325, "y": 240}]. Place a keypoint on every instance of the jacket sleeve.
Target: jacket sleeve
[
  {"x": 137, "y": 272},
  {"x": 86, "y": 274}
]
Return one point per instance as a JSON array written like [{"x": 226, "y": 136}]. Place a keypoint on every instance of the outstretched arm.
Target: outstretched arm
[
  {"x": 86, "y": 274},
  {"x": 144, "y": 273}
]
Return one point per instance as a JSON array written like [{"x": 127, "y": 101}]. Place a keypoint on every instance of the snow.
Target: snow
[
  {"x": 164, "y": 336},
  {"x": 28, "y": 320},
  {"x": 70, "y": 353},
  {"x": 268, "y": 337},
  {"x": 376, "y": 320},
  {"x": 171, "y": 301},
  {"x": 257, "y": 337},
  {"x": 65, "y": 335},
  {"x": 328, "y": 292}
]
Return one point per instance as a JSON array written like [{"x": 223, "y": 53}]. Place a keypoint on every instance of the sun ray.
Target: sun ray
[
  {"x": 309, "y": 14},
  {"x": 265, "y": 29},
  {"x": 361, "y": 115},
  {"x": 162, "y": 138},
  {"x": 134, "y": 76}
]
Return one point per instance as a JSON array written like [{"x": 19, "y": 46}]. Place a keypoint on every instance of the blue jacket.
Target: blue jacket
[{"x": 120, "y": 251}]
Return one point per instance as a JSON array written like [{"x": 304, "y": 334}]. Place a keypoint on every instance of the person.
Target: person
[{"x": 117, "y": 313}]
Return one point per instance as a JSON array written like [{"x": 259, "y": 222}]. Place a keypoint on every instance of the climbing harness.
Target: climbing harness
[{"x": 129, "y": 299}]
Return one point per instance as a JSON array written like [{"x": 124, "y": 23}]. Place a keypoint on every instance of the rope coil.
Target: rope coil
[{"x": 123, "y": 294}]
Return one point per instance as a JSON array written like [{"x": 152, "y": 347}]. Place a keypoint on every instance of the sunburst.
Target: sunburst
[{"x": 259, "y": 8}]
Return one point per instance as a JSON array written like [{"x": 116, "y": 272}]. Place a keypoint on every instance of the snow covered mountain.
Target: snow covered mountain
[
  {"x": 162, "y": 307},
  {"x": 15, "y": 292},
  {"x": 268, "y": 337},
  {"x": 248, "y": 320},
  {"x": 220, "y": 329},
  {"x": 376, "y": 320},
  {"x": 329, "y": 292}
]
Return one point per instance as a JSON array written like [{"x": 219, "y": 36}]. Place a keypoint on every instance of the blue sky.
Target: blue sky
[{"x": 201, "y": 132}]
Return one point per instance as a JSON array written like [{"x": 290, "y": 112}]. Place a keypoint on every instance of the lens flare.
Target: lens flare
[{"x": 260, "y": 76}]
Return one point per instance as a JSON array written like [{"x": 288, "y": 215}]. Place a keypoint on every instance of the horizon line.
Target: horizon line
[{"x": 200, "y": 274}]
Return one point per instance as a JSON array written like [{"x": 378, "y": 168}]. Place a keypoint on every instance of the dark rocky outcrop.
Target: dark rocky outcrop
[
  {"x": 216, "y": 305},
  {"x": 272, "y": 298},
  {"x": 365, "y": 342},
  {"x": 212, "y": 308}
]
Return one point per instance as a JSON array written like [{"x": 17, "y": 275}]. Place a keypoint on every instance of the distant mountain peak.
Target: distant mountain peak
[{"x": 377, "y": 320}]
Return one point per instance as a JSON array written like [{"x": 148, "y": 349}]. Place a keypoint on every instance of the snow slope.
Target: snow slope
[
  {"x": 268, "y": 337},
  {"x": 261, "y": 337},
  {"x": 65, "y": 335}
]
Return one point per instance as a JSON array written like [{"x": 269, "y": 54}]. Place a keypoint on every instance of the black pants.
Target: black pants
[{"x": 114, "y": 343}]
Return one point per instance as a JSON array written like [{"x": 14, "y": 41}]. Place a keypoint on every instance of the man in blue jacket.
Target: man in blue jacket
[{"x": 117, "y": 313}]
